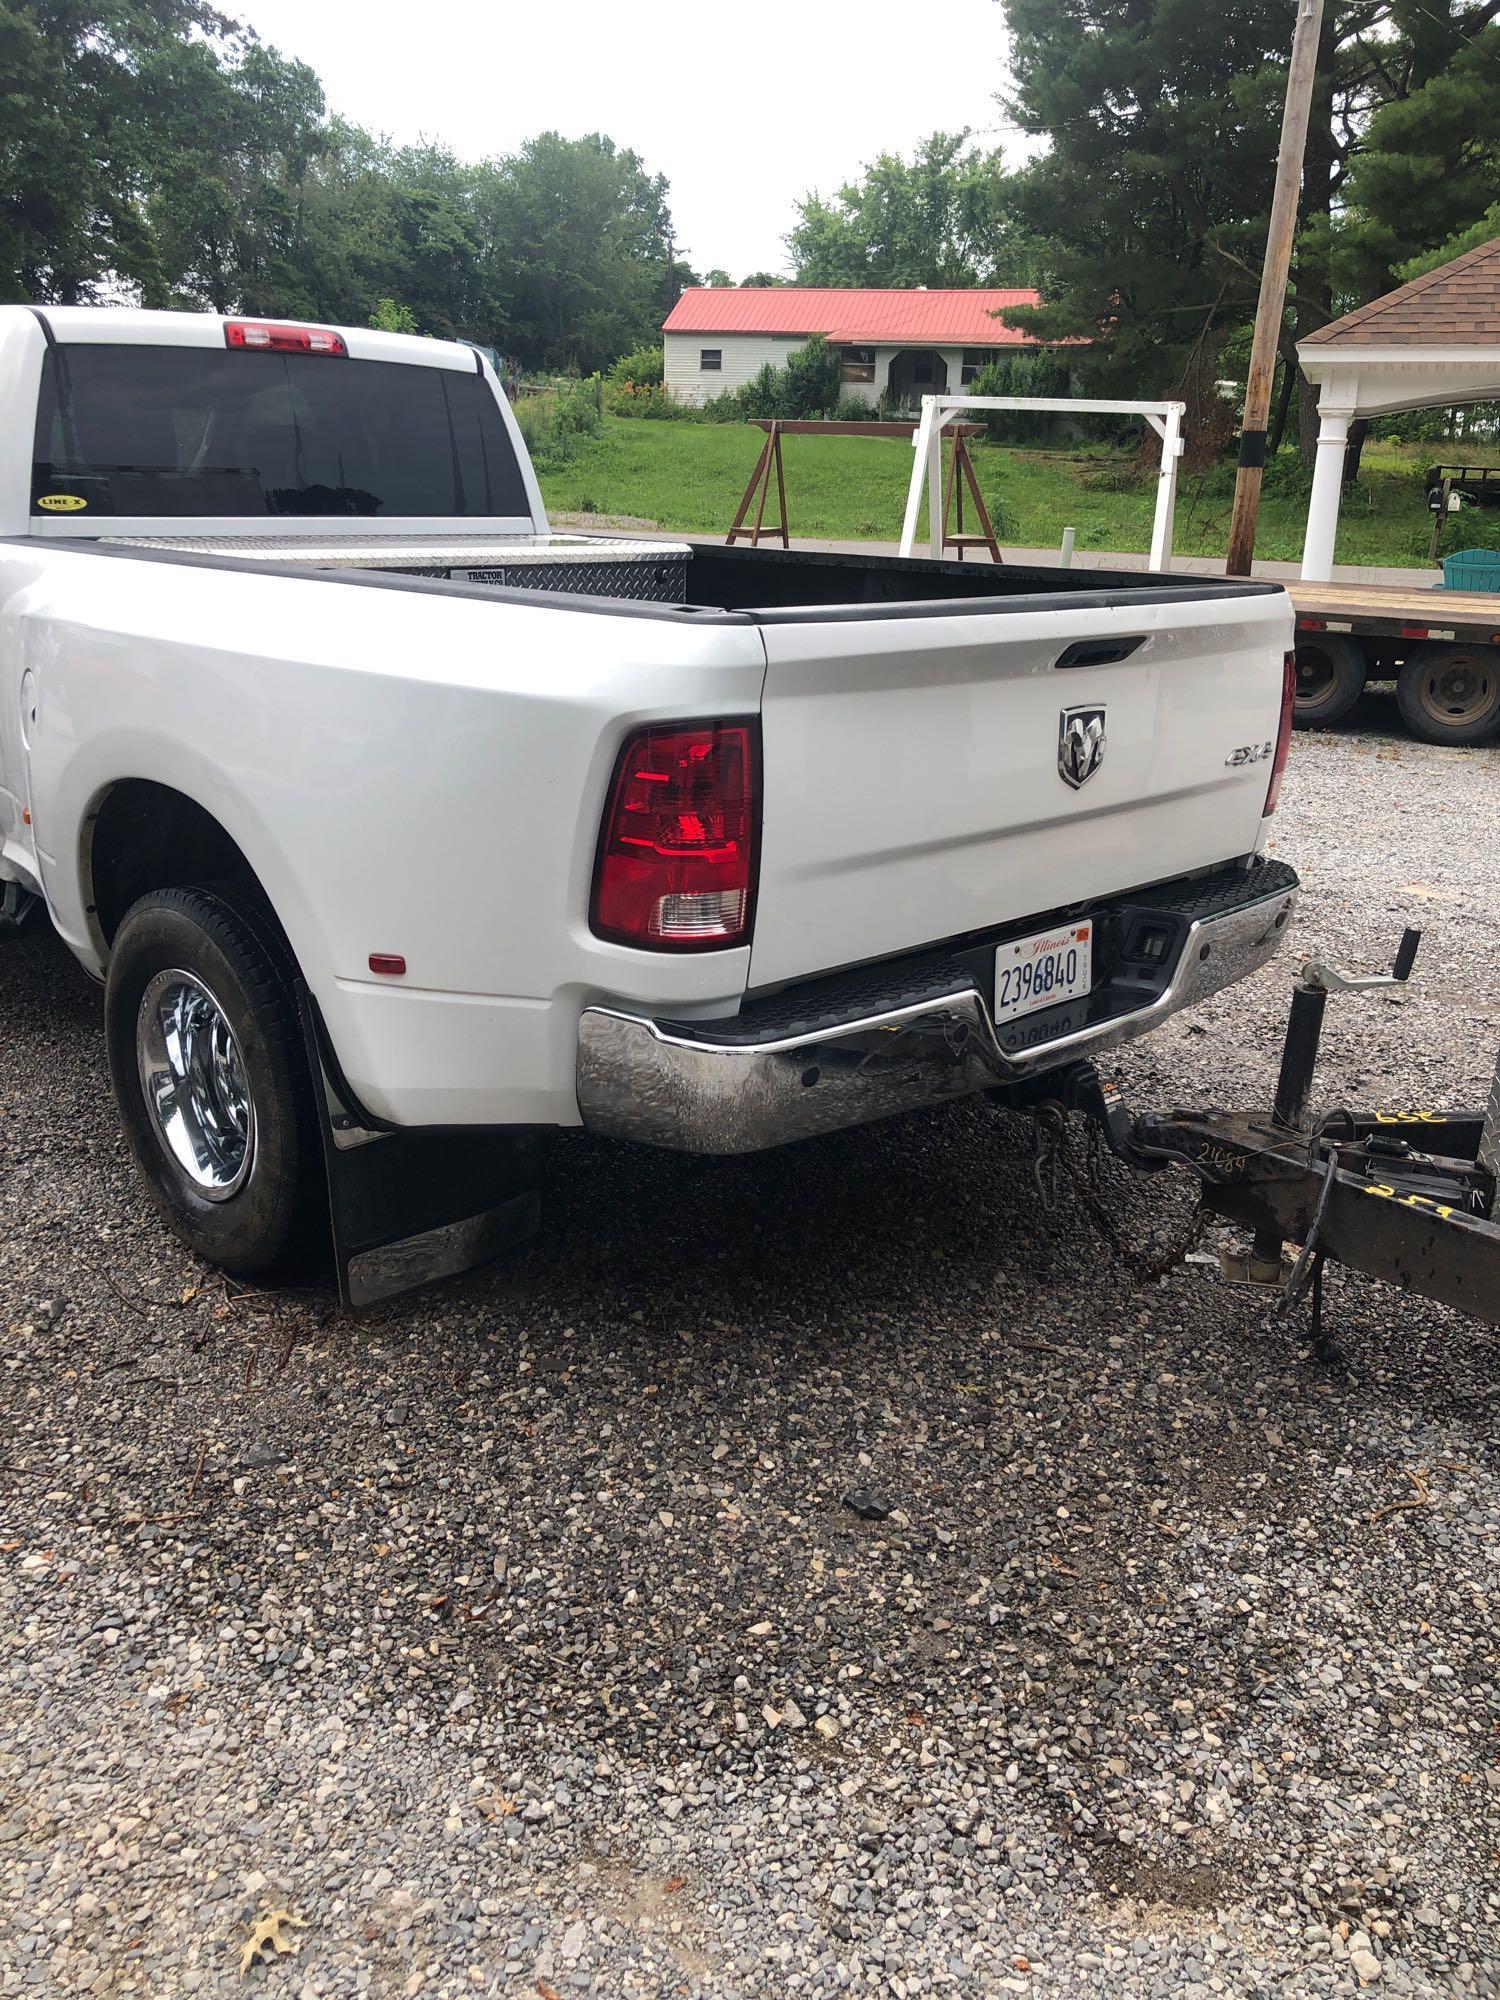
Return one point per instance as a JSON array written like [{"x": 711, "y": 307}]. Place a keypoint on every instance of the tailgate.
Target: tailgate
[{"x": 913, "y": 781}]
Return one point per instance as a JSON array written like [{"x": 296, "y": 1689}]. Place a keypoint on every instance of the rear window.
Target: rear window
[{"x": 192, "y": 431}]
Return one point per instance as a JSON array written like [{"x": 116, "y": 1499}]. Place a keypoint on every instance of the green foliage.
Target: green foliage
[
  {"x": 765, "y": 394},
  {"x": 1153, "y": 197},
  {"x": 641, "y": 368},
  {"x": 649, "y": 399},
  {"x": 1028, "y": 372},
  {"x": 942, "y": 218},
  {"x": 1286, "y": 477},
  {"x": 389, "y": 317},
  {"x": 1422, "y": 185},
  {"x": 151, "y": 144},
  {"x": 808, "y": 385},
  {"x": 237, "y": 133},
  {"x": 576, "y": 233},
  {"x": 725, "y": 408},
  {"x": 812, "y": 378},
  {"x": 81, "y": 88},
  {"x": 1469, "y": 432},
  {"x": 1485, "y": 230},
  {"x": 634, "y": 388},
  {"x": 558, "y": 422}
]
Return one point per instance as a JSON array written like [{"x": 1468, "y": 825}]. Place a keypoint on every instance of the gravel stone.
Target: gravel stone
[{"x": 525, "y": 1636}]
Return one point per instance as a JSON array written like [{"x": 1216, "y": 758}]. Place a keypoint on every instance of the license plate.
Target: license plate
[{"x": 1044, "y": 970}]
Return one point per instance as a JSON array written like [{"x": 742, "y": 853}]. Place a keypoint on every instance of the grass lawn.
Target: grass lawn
[{"x": 690, "y": 476}]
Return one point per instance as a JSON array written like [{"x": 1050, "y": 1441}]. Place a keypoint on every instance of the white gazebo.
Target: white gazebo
[{"x": 1435, "y": 341}]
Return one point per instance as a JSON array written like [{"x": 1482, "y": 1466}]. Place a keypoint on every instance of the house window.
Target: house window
[
  {"x": 921, "y": 371},
  {"x": 857, "y": 364},
  {"x": 975, "y": 360},
  {"x": 710, "y": 360}
]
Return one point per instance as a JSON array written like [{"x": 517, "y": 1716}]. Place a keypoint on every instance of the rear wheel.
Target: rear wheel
[
  {"x": 1451, "y": 694},
  {"x": 1331, "y": 673},
  {"x": 210, "y": 1072}
]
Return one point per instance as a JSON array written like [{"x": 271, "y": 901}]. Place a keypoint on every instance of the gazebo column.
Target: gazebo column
[{"x": 1327, "y": 491}]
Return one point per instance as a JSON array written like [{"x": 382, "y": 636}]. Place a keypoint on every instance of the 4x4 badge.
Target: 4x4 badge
[{"x": 1081, "y": 743}]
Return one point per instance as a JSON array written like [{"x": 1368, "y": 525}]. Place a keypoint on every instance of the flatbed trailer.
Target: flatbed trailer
[{"x": 1441, "y": 647}]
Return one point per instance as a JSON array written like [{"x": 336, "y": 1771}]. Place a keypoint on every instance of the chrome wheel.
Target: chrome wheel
[{"x": 193, "y": 1077}]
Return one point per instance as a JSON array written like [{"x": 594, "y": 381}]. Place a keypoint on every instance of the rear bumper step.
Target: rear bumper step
[{"x": 845, "y": 1052}]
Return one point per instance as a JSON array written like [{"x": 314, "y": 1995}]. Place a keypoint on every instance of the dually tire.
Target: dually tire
[{"x": 210, "y": 1072}]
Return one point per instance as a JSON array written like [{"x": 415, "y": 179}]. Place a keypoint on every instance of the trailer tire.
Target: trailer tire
[
  {"x": 210, "y": 1073},
  {"x": 1331, "y": 671},
  {"x": 1451, "y": 694}
]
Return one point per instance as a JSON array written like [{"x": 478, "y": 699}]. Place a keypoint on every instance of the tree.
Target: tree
[
  {"x": 236, "y": 132},
  {"x": 355, "y": 253},
  {"x": 1485, "y": 230},
  {"x": 942, "y": 218},
  {"x": 1428, "y": 164},
  {"x": 75, "y": 135},
  {"x": 575, "y": 233},
  {"x": 764, "y": 278},
  {"x": 152, "y": 148},
  {"x": 717, "y": 278},
  {"x": 1163, "y": 121},
  {"x": 806, "y": 386},
  {"x": 447, "y": 279}
]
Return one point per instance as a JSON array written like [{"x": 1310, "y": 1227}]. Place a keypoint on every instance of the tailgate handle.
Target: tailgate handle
[{"x": 1098, "y": 652}]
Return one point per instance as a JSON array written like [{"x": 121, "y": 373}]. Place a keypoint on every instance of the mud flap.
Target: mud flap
[
  {"x": 410, "y": 1207},
  {"x": 18, "y": 907}
]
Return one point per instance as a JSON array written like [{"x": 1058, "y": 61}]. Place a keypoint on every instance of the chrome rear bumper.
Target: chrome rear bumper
[{"x": 676, "y": 1085}]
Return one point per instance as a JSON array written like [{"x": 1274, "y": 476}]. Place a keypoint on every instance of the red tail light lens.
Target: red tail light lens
[
  {"x": 676, "y": 868},
  {"x": 269, "y": 338},
  {"x": 1283, "y": 733}
]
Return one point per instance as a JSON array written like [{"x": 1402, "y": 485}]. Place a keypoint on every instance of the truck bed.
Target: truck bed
[{"x": 693, "y": 574}]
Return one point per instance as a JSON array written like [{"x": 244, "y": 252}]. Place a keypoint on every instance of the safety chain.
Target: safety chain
[{"x": 1055, "y": 1157}]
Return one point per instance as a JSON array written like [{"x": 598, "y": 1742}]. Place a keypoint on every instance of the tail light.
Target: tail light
[
  {"x": 269, "y": 338},
  {"x": 1283, "y": 733},
  {"x": 676, "y": 868}
]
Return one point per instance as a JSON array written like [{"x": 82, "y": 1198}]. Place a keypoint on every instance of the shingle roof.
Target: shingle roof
[
  {"x": 905, "y": 318},
  {"x": 1457, "y": 305}
]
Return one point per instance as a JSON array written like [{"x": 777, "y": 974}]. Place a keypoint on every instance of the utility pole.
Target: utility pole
[{"x": 1268, "y": 310}]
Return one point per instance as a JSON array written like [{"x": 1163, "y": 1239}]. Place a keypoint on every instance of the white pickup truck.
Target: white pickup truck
[{"x": 402, "y": 831}]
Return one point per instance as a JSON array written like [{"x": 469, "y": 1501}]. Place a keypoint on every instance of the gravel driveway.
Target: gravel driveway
[{"x": 821, "y": 1573}]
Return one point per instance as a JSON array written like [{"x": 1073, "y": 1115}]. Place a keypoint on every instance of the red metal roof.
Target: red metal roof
[{"x": 900, "y": 318}]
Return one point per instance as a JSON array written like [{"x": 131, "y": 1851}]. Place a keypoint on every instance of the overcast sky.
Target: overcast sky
[{"x": 742, "y": 108}]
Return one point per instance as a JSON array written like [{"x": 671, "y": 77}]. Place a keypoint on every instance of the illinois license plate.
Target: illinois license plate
[{"x": 1043, "y": 970}]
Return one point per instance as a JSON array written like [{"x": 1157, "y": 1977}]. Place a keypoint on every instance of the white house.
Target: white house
[{"x": 913, "y": 343}]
